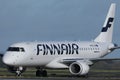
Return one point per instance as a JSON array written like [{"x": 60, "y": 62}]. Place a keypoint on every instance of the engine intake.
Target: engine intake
[{"x": 79, "y": 68}]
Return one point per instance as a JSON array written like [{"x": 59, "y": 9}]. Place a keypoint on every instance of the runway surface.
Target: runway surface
[
  {"x": 63, "y": 78},
  {"x": 63, "y": 75},
  {"x": 91, "y": 76}
]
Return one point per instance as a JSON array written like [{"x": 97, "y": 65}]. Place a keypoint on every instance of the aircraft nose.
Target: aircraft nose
[{"x": 8, "y": 60}]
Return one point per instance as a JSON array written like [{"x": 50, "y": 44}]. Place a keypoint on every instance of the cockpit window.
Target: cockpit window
[
  {"x": 22, "y": 49},
  {"x": 16, "y": 49}
]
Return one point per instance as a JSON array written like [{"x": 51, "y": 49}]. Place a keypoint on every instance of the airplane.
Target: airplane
[{"x": 77, "y": 56}]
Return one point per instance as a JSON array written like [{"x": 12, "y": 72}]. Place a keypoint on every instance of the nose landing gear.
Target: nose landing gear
[{"x": 19, "y": 71}]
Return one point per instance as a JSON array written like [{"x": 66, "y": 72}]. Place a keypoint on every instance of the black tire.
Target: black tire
[
  {"x": 44, "y": 73},
  {"x": 38, "y": 73}
]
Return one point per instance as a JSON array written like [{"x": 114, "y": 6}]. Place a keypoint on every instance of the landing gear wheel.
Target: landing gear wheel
[
  {"x": 40, "y": 73},
  {"x": 44, "y": 73}
]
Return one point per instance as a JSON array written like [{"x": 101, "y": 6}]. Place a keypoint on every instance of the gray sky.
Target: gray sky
[{"x": 58, "y": 20}]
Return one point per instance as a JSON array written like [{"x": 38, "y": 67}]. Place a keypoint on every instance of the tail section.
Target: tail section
[{"x": 107, "y": 30}]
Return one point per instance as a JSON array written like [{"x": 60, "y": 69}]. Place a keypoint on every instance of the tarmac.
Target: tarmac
[
  {"x": 113, "y": 75},
  {"x": 70, "y": 77},
  {"x": 63, "y": 78}
]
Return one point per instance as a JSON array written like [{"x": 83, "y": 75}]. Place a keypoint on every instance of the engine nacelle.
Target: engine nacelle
[{"x": 79, "y": 68}]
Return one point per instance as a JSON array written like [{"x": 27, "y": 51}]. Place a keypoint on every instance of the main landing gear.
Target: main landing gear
[{"x": 41, "y": 72}]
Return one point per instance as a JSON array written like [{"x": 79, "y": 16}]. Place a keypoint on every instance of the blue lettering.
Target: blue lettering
[
  {"x": 56, "y": 49},
  {"x": 49, "y": 49},
  {"x": 59, "y": 49},
  {"x": 64, "y": 48},
  {"x": 74, "y": 48},
  {"x": 40, "y": 48}
]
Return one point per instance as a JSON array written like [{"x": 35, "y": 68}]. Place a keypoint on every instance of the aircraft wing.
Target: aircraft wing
[
  {"x": 91, "y": 61},
  {"x": 104, "y": 59}
]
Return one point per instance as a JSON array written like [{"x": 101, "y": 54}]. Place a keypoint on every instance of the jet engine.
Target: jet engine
[{"x": 79, "y": 68}]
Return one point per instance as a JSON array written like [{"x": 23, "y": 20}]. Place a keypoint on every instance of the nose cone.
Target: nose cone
[{"x": 8, "y": 60}]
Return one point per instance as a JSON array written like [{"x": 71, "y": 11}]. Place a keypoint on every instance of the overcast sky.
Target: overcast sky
[{"x": 55, "y": 20}]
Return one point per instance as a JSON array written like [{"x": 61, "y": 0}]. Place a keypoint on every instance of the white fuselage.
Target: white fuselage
[{"x": 43, "y": 53}]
